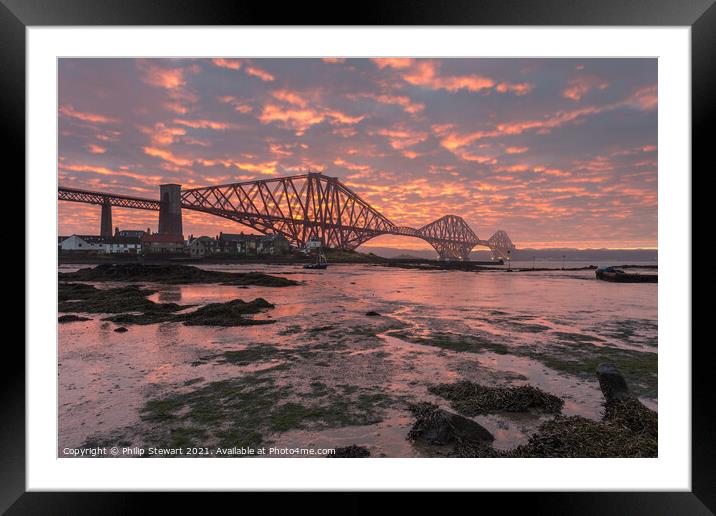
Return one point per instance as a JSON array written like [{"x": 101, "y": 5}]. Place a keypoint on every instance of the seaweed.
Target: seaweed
[{"x": 472, "y": 399}]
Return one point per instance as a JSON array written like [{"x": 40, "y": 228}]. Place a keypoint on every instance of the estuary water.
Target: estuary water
[{"x": 331, "y": 376}]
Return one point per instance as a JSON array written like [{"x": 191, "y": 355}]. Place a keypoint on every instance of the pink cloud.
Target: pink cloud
[
  {"x": 69, "y": 111},
  {"x": 580, "y": 86},
  {"x": 258, "y": 72},
  {"x": 231, "y": 64},
  {"x": 393, "y": 62}
]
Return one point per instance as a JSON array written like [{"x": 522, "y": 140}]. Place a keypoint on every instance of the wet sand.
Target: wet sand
[{"x": 326, "y": 375}]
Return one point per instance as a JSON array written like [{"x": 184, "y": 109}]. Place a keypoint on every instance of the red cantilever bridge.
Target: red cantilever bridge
[{"x": 301, "y": 208}]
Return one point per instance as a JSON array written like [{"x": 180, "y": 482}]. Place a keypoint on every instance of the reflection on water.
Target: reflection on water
[{"x": 437, "y": 326}]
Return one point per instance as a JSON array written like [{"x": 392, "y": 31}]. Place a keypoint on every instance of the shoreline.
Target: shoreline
[{"x": 342, "y": 258}]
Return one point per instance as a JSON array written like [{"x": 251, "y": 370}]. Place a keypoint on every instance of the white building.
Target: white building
[{"x": 99, "y": 245}]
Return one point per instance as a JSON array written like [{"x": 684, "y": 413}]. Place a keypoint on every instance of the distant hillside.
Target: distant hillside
[
  {"x": 405, "y": 257},
  {"x": 605, "y": 255}
]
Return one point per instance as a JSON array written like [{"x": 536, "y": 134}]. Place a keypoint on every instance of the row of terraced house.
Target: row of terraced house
[{"x": 146, "y": 242}]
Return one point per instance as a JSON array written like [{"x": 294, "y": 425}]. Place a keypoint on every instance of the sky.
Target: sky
[{"x": 557, "y": 152}]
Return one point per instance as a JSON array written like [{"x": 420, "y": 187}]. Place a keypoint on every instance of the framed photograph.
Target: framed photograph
[{"x": 447, "y": 247}]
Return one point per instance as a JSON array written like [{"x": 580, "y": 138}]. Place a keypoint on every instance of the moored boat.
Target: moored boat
[
  {"x": 619, "y": 276},
  {"x": 320, "y": 263}
]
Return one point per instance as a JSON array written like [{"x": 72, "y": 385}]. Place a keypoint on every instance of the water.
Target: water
[{"x": 494, "y": 328}]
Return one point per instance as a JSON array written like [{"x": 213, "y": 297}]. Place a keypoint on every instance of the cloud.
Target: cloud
[
  {"x": 96, "y": 149},
  {"x": 405, "y": 102},
  {"x": 167, "y": 156},
  {"x": 204, "y": 124},
  {"x": 105, "y": 171},
  {"x": 644, "y": 99},
  {"x": 425, "y": 73},
  {"x": 398, "y": 63},
  {"x": 231, "y": 64},
  {"x": 289, "y": 97},
  {"x": 172, "y": 80},
  {"x": 401, "y": 138},
  {"x": 520, "y": 88},
  {"x": 239, "y": 106},
  {"x": 69, "y": 111},
  {"x": 258, "y": 72},
  {"x": 161, "y": 77},
  {"x": 161, "y": 134},
  {"x": 302, "y": 119},
  {"x": 580, "y": 86}
]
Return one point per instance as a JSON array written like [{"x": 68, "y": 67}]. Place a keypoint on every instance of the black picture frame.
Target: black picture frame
[{"x": 17, "y": 15}]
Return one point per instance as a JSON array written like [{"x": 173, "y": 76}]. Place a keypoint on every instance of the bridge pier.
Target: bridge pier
[
  {"x": 170, "y": 210},
  {"x": 105, "y": 228}
]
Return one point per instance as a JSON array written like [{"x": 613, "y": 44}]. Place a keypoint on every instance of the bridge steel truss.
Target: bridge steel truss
[
  {"x": 106, "y": 199},
  {"x": 310, "y": 206},
  {"x": 301, "y": 208}
]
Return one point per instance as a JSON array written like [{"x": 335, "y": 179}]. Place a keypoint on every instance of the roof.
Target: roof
[
  {"x": 232, "y": 237},
  {"x": 163, "y": 238},
  {"x": 273, "y": 236},
  {"x": 90, "y": 239},
  {"x": 95, "y": 239},
  {"x": 122, "y": 240}
]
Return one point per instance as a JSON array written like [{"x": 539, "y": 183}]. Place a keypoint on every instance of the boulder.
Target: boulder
[
  {"x": 437, "y": 426},
  {"x": 612, "y": 383},
  {"x": 372, "y": 314},
  {"x": 350, "y": 452},
  {"x": 121, "y": 329},
  {"x": 71, "y": 318}
]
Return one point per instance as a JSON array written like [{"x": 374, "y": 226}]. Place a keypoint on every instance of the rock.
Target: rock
[
  {"x": 614, "y": 387},
  {"x": 121, "y": 329},
  {"x": 350, "y": 452},
  {"x": 372, "y": 314},
  {"x": 437, "y": 426},
  {"x": 71, "y": 318}
]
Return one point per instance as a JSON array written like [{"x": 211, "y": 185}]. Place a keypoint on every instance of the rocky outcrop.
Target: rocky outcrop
[
  {"x": 71, "y": 318},
  {"x": 350, "y": 452},
  {"x": 437, "y": 426},
  {"x": 612, "y": 383},
  {"x": 174, "y": 274}
]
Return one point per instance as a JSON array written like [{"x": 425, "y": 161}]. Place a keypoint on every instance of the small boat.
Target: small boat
[
  {"x": 320, "y": 262},
  {"x": 619, "y": 276}
]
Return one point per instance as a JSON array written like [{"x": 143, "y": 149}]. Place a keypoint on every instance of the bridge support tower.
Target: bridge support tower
[
  {"x": 170, "y": 210},
  {"x": 105, "y": 229}
]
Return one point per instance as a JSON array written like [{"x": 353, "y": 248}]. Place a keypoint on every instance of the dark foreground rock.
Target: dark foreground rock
[
  {"x": 172, "y": 274},
  {"x": 437, "y": 426},
  {"x": 612, "y": 383},
  {"x": 121, "y": 329},
  {"x": 350, "y": 452},
  {"x": 133, "y": 307},
  {"x": 230, "y": 313},
  {"x": 472, "y": 399},
  {"x": 71, "y": 318},
  {"x": 628, "y": 429},
  {"x": 227, "y": 314},
  {"x": 372, "y": 314},
  {"x": 77, "y": 297}
]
